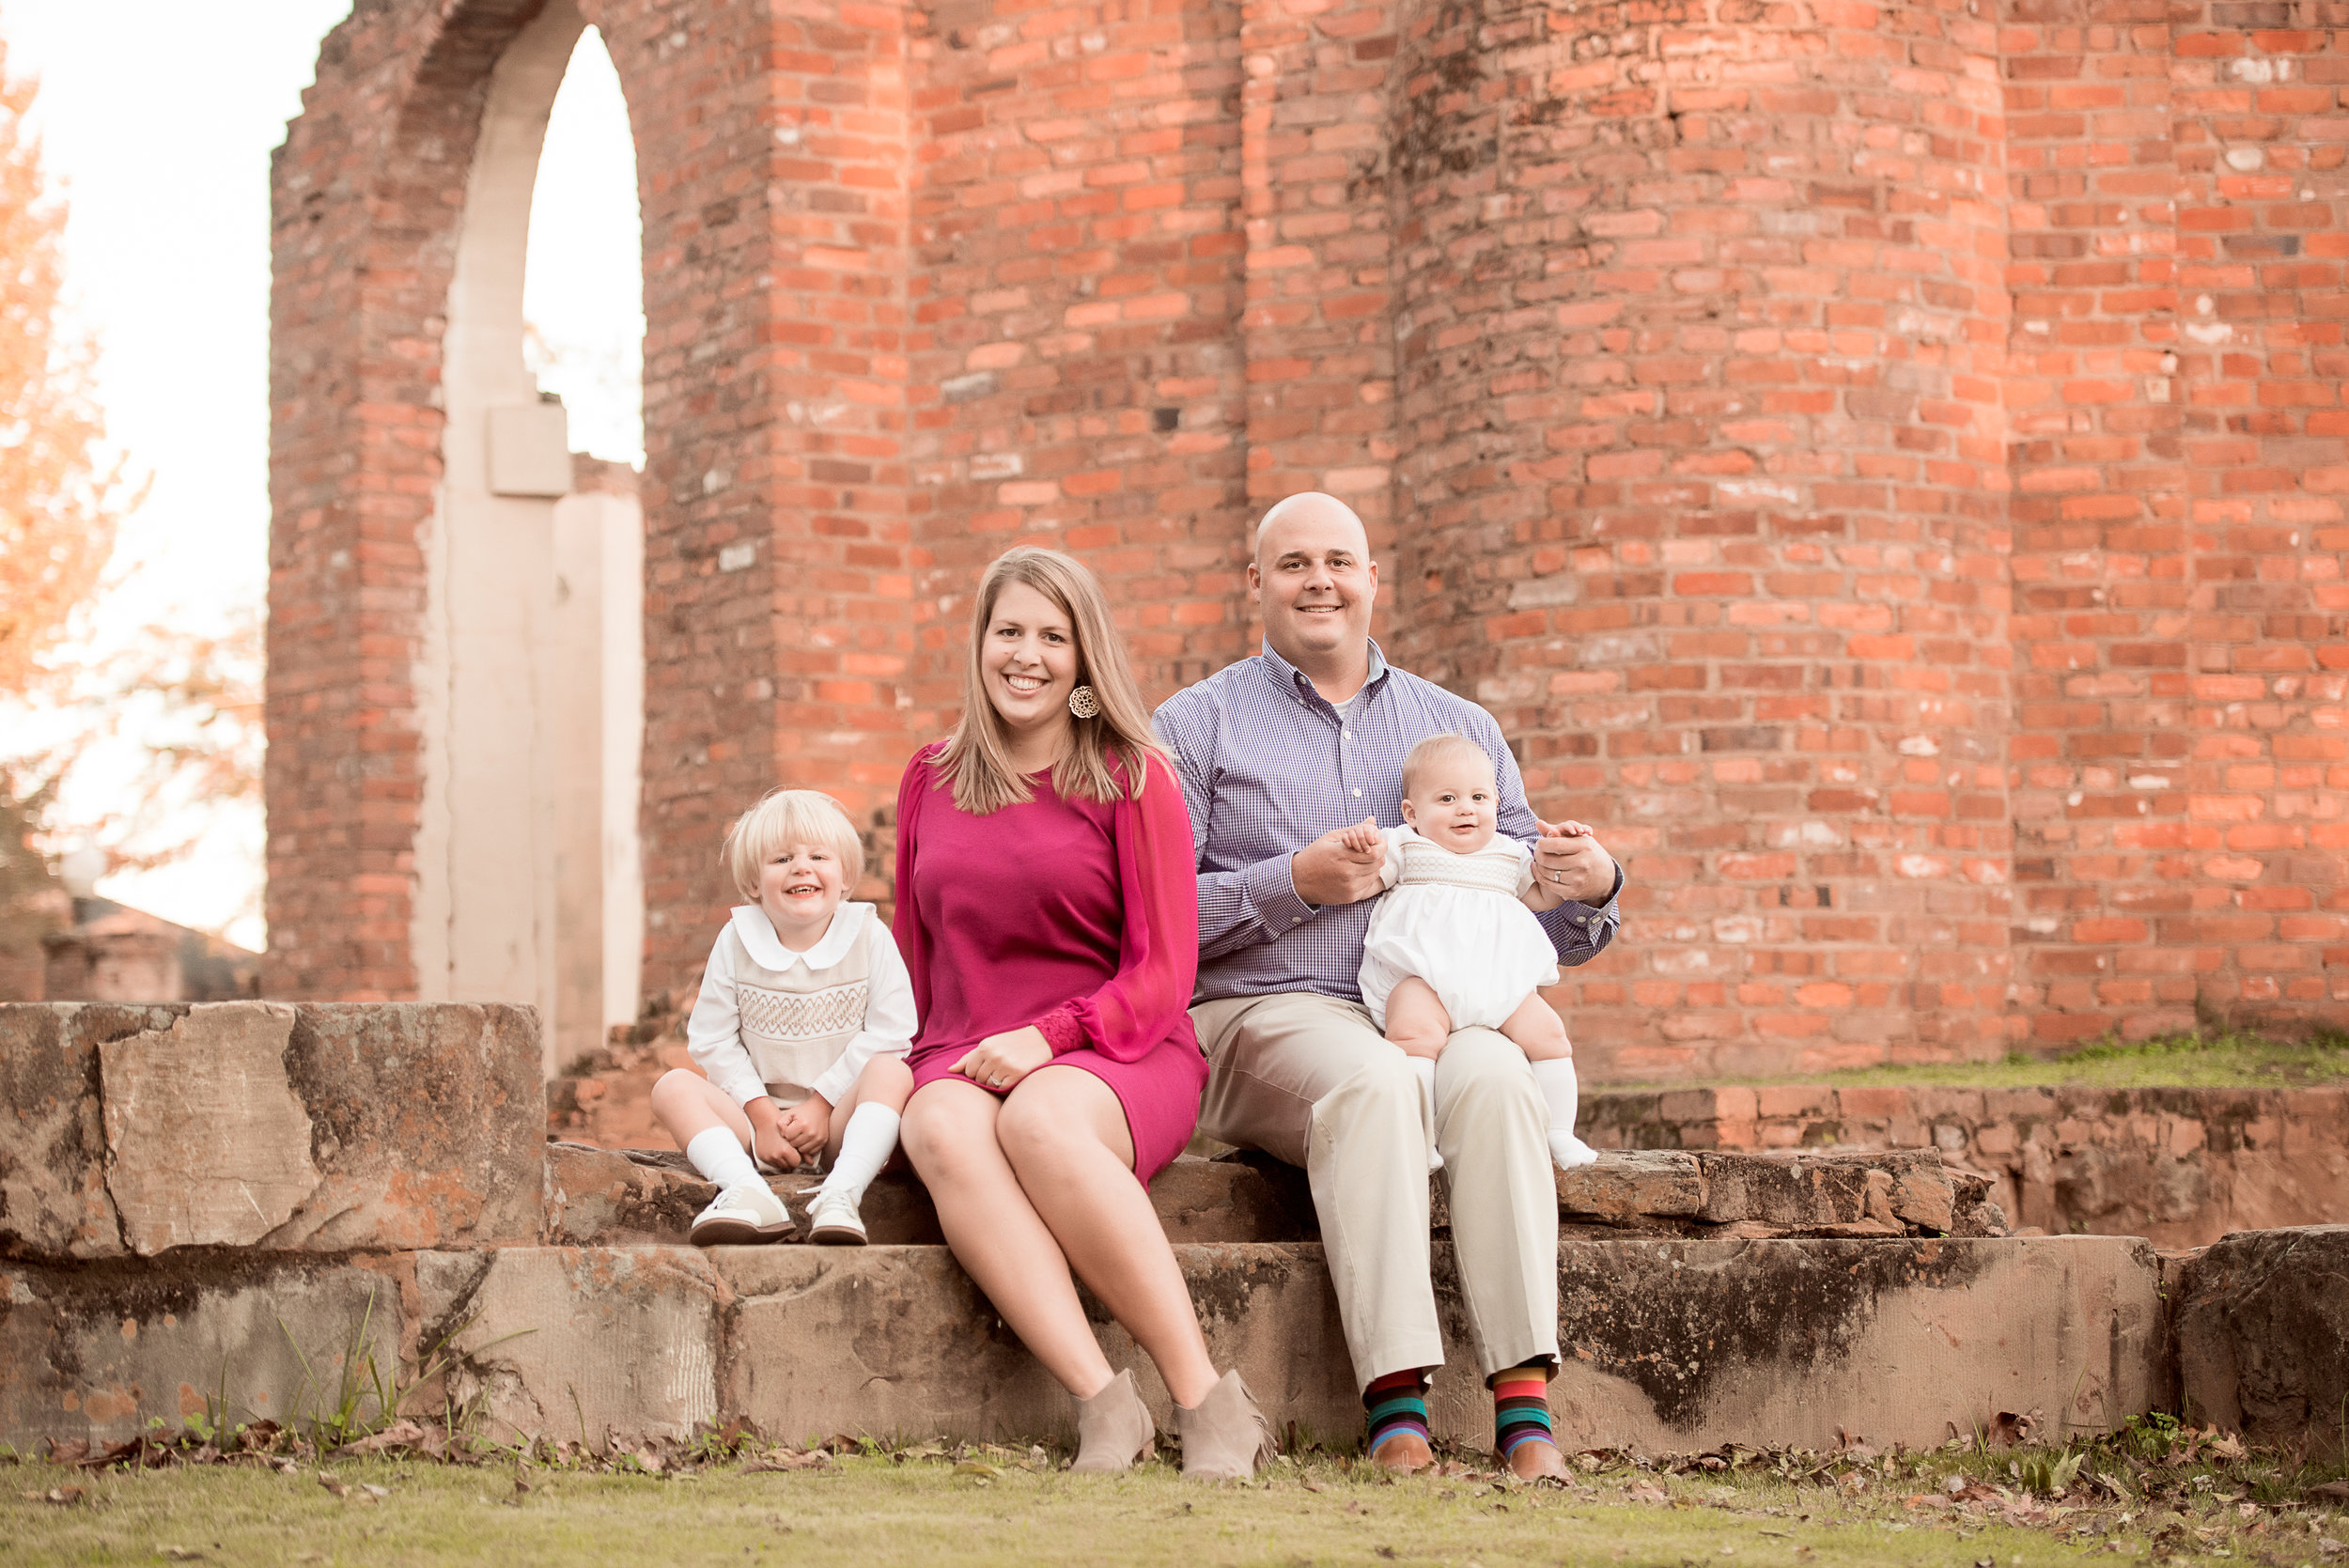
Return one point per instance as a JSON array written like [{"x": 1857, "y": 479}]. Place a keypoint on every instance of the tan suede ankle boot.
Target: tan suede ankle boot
[
  {"x": 1226, "y": 1435},
  {"x": 1113, "y": 1429}
]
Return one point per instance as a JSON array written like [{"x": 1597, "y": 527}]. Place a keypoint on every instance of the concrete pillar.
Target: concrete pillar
[
  {"x": 595, "y": 675},
  {"x": 487, "y": 898}
]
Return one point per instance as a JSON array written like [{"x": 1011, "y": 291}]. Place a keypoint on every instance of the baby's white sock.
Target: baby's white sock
[
  {"x": 865, "y": 1148},
  {"x": 719, "y": 1155},
  {"x": 1425, "y": 1068},
  {"x": 1558, "y": 1091}
]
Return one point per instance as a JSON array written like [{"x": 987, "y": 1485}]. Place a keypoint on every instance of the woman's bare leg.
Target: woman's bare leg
[
  {"x": 1066, "y": 1138},
  {"x": 950, "y": 1133}
]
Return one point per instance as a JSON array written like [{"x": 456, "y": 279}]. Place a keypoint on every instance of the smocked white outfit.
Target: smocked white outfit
[
  {"x": 775, "y": 1023},
  {"x": 1455, "y": 922}
]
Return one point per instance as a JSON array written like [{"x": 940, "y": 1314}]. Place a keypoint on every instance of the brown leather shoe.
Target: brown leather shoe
[
  {"x": 1538, "y": 1461},
  {"x": 1403, "y": 1452},
  {"x": 1113, "y": 1429}
]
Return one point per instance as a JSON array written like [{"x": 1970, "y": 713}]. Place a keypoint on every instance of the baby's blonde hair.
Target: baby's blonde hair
[
  {"x": 788, "y": 817},
  {"x": 1438, "y": 748}
]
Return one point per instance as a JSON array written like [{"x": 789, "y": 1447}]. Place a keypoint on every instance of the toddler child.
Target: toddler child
[
  {"x": 801, "y": 1029},
  {"x": 1454, "y": 944}
]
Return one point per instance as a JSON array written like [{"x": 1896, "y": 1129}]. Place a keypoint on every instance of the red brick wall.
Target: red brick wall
[
  {"x": 1699, "y": 324},
  {"x": 1076, "y": 279},
  {"x": 1709, "y": 373},
  {"x": 2177, "y": 272}
]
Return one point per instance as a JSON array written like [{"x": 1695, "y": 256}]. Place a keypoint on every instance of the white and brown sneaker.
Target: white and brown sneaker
[
  {"x": 744, "y": 1215},
  {"x": 834, "y": 1220}
]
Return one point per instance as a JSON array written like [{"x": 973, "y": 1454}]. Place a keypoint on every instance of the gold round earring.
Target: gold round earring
[{"x": 1084, "y": 704}]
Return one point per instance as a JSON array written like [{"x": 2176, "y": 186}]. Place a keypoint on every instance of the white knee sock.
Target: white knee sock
[
  {"x": 719, "y": 1155},
  {"x": 1558, "y": 1091},
  {"x": 865, "y": 1148},
  {"x": 1425, "y": 1068}
]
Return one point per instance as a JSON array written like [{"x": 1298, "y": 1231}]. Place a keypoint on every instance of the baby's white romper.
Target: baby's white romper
[{"x": 1456, "y": 921}]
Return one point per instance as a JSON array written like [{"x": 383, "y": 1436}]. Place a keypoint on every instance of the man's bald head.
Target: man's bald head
[
  {"x": 1311, "y": 511},
  {"x": 1315, "y": 579}
]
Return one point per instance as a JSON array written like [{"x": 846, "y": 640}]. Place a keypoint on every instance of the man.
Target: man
[{"x": 1277, "y": 755}]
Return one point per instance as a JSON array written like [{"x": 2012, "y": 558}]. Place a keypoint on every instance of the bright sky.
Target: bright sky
[{"x": 157, "y": 123}]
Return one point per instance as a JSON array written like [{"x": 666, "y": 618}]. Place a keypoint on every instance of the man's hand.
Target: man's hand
[
  {"x": 806, "y": 1124},
  {"x": 1332, "y": 870},
  {"x": 767, "y": 1141},
  {"x": 1569, "y": 861}
]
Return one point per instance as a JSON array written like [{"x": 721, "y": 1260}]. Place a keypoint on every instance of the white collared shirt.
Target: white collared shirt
[{"x": 767, "y": 1015}]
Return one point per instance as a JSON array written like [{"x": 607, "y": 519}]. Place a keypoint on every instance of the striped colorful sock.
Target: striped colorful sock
[
  {"x": 1521, "y": 1407},
  {"x": 1395, "y": 1402}
]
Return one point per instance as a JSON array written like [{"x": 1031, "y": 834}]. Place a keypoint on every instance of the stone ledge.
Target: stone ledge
[
  {"x": 136, "y": 1131},
  {"x": 604, "y": 1197},
  {"x": 1670, "y": 1344},
  {"x": 2180, "y": 1166}
]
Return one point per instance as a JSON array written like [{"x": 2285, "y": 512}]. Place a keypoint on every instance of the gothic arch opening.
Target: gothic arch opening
[{"x": 531, "y": 685}]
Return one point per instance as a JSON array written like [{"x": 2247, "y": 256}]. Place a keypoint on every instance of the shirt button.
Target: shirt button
[
  {"x": 1358, "y": 794},
  {"x": 1297, "y": 920}
]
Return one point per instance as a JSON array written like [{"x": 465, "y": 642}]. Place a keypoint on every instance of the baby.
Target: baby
[
  {"x": 1455, "y": 943},
  {"x": 803, "y": 1025}
]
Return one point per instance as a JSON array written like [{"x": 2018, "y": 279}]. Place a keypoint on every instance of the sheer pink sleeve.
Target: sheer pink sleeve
[
  {"x": 905, "y": 924},
  {"x": 1147, "y": 998}
]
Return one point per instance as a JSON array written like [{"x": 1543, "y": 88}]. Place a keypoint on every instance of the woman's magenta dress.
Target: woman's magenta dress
[{"x": 1078, "y": 918}]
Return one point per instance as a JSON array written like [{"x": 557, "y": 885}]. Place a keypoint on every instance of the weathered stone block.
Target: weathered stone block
[
  {"x": 431, "y": 1125},
  {"x": 1625, "y": 1186},
  {"x": 588, "y": 1343},
  {"x": 54, "y": 1202},
  {"x": 210, "y": 1146},
  {"x": 94, "y": 1350},
  {"x": 2263, "y": 1334},
  {"x": 1240, "y": 1198},
  {"x": 1687, "y": 1344},
  {"x": 1886, "y": 1192},
  {"x": 886, "y": 1339},
  {"x": 319, "y": 1129}
]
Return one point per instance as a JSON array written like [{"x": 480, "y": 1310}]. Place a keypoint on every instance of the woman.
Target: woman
[{"x": 1047, "y": 911}]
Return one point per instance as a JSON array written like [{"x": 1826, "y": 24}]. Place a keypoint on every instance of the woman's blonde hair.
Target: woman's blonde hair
[
  {"x": 788, "y": 817},
  {"x": 1107, "y": 756}
]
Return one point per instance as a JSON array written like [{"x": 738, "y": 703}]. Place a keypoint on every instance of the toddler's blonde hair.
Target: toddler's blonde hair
[
  {"x": 1438, "y": 748},
  {"x": 787, "y": 816}
]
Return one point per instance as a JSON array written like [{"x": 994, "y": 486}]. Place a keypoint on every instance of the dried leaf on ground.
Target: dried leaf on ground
[
  {"x": 978, "y": 1467},
  {"x": 180, "y": 1554},
  {"x": 402, "y": 1434},
  {"x": 783, "y": 1459}
]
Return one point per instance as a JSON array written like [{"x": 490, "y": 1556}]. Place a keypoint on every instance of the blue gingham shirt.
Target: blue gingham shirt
[{"x": 1267, "y": 766}]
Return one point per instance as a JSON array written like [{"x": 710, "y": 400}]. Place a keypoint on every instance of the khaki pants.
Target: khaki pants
[{"x": 1307, "y": 1079}]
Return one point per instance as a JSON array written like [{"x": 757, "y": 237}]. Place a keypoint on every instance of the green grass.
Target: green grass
[
  {"x": 2215, "y": 1058},
  {"x": 929, "y": 1507}
]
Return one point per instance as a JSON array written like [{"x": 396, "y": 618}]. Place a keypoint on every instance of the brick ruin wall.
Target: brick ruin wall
[{"x": 1882, "y": 463}]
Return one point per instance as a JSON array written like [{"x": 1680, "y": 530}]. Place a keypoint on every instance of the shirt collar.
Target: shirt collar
[
  {"x": 1290, "y": 678},
  {"x": 766, "y": 949}
]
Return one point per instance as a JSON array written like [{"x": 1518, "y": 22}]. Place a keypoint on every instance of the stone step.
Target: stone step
[
  {"x": 1670, "y": 1343},
  {"x": 610, "y": 1198}
]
